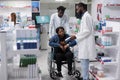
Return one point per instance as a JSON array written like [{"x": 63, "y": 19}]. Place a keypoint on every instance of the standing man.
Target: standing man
[
  {"x": 85, "y": 39},
  {"x": 58, "y": 19}
]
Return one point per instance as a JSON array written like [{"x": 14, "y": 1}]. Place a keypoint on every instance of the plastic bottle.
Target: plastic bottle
[{"x": 21, "y": 45}]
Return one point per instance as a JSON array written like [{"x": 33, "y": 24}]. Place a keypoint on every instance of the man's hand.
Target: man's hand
[
  {"x": 62, "y": 43},
  {"x": 66, "y": 46},
  {"x": 62, "y": 47},
  {"x": 73, "y": 37}
]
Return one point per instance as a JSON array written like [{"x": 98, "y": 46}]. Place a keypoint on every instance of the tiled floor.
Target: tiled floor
[{"x": 42, "y": 62}]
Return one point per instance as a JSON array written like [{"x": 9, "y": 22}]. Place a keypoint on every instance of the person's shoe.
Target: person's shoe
[
  {"x": 70, "y": 73},
  {"x": 59, "y": 74}
]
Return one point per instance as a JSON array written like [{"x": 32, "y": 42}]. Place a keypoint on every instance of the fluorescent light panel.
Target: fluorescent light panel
[{"x": 60, "y": 0}]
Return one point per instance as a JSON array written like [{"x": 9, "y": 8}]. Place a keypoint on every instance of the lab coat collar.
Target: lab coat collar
[
  {"x": 84, "y": 13},
  {"x": 61, "y": 17}
]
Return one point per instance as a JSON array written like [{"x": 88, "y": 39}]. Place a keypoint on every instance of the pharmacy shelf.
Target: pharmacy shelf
[
  {"x": 26, "y": 79},
  {"x": 8, "y": 7},
  {"x": 110, "y": 33},
  {"x": 25, "y": 51},
  {"x": 22, "y": 52},
  {"x": 107, "y": 77},
  {"x": 112, "y": 5},
  {"x": 107, "y": 63},
  {"x": 105, "y": 47},
  {"x": 113, "y": 19},
  {"x": 98, "y": 33},
  {"x": 4, "y": 63}
]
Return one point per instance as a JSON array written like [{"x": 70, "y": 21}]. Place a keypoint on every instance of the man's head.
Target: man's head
[
  {"x": 60, "y": 31},
  {"x": 61, "y": 10},
  {"x": 81, "y": 7}
]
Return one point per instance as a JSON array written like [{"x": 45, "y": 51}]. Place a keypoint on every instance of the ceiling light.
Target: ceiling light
[{"x": 60, "y": 0}]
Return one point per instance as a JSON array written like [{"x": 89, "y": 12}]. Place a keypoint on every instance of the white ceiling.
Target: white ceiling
[{"x": 52, "y": 1}]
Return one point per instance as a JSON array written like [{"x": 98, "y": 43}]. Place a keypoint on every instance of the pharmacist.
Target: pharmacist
[
  {"x": 58, "y": 19},
  {"x": 85, "y": 39}
]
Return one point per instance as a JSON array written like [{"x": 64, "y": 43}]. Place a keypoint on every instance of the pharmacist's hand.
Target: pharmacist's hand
[{"x": 73, "y": 37}]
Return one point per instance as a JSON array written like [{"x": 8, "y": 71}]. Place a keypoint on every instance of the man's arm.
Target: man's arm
[
  {"x": 67, "y": 24},
  {"x": 53, "y": 42},
  {"x": 51, "y": 25},
  {"x": 71, "y": 42},
  {"x": 85, "y": 32}
]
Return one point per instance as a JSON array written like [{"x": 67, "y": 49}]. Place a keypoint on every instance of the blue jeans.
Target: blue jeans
[{"x": 85, "y": 68}]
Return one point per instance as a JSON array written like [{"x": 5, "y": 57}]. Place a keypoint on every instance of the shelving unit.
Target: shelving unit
[
  {"x": 108, "y": 5},
  {"x": 107, "y": 63},
  {"x": 111, "y": 10},
  {"x": 106, "y": 47},
  {"x": 98, "y": 78},
  {"x": 111, "y": 69},
  {"x": 113, "y": 19},
  {"x": 14, "y": 7},
  {"x": 9, "y": 71}
]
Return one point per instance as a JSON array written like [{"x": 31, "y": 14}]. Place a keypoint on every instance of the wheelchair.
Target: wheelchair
[{"x": 52, "y": 66}]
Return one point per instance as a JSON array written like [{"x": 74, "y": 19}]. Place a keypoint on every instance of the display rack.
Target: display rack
[
  {"x": 8, "y": 7},
  {"x": 113, "y": 19},
  {"x": 9, "y": 71},
  {"x": 112, "y": 5},
  {"x": 111, "y": 69},
  {"x": 111, "y": 12}
]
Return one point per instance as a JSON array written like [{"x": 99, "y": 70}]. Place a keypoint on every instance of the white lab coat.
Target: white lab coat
[
  {"x": 56, "y": 21},
  {"x": 85, "y": 38}
]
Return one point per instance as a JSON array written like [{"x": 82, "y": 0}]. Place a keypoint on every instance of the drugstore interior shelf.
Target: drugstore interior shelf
[
  {"x": 24, "y": 51},
  {"x": 114, "y": 5},
  {"x": 8, "y": 7},
  {"x": 97, "y": 33},
  {"x": 107, "y": 77},
  {"x": 26, "y": 79},
  {"x": 107, "y": 63},
  {"x": 5, "y": 54},
  {"x": 106, "y": 47},
  {"x": 110, "y": 33},
  {"x": 113, "y": 19}
]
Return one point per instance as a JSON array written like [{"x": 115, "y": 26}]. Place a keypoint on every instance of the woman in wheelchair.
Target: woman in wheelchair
[{"x": 62, "y": 49}]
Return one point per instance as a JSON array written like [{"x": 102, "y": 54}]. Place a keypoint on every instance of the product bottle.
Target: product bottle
[{"x": 21, "y": 45}]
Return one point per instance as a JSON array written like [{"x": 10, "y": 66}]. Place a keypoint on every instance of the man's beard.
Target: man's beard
[{"x": 79, "y": 15}]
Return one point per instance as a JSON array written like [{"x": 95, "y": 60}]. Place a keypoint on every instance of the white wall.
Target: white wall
[{"x": 49, "y": 8}]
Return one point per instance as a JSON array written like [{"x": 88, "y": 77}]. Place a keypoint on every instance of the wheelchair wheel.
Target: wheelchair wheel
[
  {"x": 77, "y": 74},
  {"x": 53, "y": 75}
]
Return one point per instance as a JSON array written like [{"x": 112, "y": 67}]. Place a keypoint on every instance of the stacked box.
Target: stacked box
[{"x": 26, "y": 60}]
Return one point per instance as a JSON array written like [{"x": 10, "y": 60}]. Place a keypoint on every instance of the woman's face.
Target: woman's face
[{"x": 61, "y": 32}]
